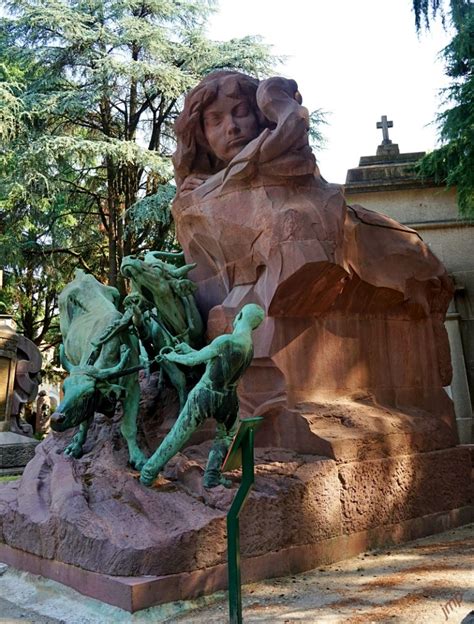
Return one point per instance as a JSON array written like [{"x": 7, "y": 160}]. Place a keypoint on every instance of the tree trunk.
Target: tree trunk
[{"x": 112, "y": 209}]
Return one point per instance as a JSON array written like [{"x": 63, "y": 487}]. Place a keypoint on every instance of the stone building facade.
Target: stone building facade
[{"x": 387, "y": 183}]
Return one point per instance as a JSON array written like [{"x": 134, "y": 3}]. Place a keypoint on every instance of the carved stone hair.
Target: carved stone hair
[{"x": 193, "y": 153}]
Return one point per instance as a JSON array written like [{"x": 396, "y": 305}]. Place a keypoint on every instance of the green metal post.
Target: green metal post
[{"x": 233, "y": 532}]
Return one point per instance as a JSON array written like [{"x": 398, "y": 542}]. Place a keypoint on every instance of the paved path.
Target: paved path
[{"x": 428, "y": 581}]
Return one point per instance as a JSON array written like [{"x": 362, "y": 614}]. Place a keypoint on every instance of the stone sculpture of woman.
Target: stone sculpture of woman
[{"x": 355, "y": 301}]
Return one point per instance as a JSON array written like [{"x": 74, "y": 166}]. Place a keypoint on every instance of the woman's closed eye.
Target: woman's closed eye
[
  {"x": 213, "y": 119},
  {"x": 242, "y": 110}
]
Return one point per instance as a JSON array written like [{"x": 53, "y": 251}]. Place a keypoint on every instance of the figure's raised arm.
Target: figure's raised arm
[{"x": 280, "y": 101}]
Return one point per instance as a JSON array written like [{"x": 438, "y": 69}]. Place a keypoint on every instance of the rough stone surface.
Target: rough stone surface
[
  {"x": 331, "y": 330},
  {"x": 94, "y": 513},
  {"x": 15, "y": 450},
  {"x": 428, "y": 582},
  {"x": 390, "y": 490},
  {"x": 355, "y": 428}
]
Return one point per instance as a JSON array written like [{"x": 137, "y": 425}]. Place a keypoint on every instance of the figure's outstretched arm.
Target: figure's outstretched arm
[{"x": 195, "y": 357}]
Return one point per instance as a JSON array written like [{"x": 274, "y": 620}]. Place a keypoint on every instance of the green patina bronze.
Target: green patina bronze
[
  {"x": 170, "y": 293},
  {"x": 101, "y": 346},
  {"x": 162, "y": 309},
  {"x": 88, "y": 311},
  {"x": 215, "y": 395},
  {"x": 240, "y": 454}
]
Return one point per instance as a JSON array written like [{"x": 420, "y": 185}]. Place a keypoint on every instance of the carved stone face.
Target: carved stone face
[{"x": 229, "y": 124}]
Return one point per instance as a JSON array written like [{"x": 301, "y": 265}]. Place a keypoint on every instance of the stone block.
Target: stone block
[
  {"x": 15, "y": 450},
  {"x": 293, "y": 503},
  {"x": 391, "y": 490}
]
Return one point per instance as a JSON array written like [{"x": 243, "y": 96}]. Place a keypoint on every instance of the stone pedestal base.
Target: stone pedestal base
[
  {"x": 142, "y": 592},
  {"x": 90, "y": 524}
]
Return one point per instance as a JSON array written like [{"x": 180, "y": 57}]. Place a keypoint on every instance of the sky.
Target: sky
[{"x": 355, "y": 59}]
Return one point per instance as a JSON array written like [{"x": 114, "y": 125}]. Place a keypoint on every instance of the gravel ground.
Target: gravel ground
[{"x": 427, "y": 581}]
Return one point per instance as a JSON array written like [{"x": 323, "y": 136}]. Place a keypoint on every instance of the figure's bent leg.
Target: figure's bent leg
[
  {"x": 128, "y": 426},
  {"x": 187, "y": 423},
  {"x": 223, "y": 440}
]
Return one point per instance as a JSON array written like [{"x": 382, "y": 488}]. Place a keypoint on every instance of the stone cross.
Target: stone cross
[{"x": 384, "y": 125}]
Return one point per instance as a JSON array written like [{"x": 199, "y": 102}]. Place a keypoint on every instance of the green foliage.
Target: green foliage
[
  {"x": 317, "y": 118},
  {"x": 35, "y": 219},
  {"x": 453, "y": 163},
  {"x": 10, "y": 107},
  {"x": 150, "y": 221},
  {"x": 114, "y": 73},
  {"x": 425, "y": 10},
  {"x": 89, "y": 91}
]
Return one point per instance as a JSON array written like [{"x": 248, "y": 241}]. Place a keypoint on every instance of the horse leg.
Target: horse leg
[
  {"x": 193, "y": 320},
  {"x": 74, "y": 448}
]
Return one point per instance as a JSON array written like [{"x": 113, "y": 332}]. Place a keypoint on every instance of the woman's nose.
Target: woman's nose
[{"x": 232, "y": 126}]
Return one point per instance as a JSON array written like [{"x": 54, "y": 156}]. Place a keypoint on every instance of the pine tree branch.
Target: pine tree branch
[{"x": 65, "y": 250}]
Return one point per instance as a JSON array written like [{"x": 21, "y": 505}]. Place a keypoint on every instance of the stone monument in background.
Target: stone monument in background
[
  {"x": 387, "y": 182},
  {"x": 20, "y": 365},
  {"x": 8, "y": 346}
]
